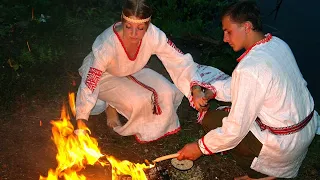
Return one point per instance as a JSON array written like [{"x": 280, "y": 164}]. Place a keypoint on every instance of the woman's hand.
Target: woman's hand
[
  {"x": 82, "y": 127},
  {"x": 190, "y": 151},
  {"x": 81, "y": 123}
]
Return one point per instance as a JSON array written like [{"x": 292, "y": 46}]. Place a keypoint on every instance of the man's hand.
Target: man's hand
[
  {"x": 190, "y": 151},
  {"x": 208, "y": 94},
  {"x": 199, "y": 99}
]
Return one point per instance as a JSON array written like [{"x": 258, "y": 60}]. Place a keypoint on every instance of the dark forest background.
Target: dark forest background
[
  {"x": 43, "y": 43},
  {"x": 38, "y": 37}
]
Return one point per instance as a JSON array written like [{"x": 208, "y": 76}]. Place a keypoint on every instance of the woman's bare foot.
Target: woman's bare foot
[
  {"x": 248, "y": 178},
  {"x": 112, "y": 117}
]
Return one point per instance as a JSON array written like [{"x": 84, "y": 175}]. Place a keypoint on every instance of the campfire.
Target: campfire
[{"x": 77, "y": 150}]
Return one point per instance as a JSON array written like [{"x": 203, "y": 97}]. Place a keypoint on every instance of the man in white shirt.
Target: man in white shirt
[{"x": 272, "y": 120}]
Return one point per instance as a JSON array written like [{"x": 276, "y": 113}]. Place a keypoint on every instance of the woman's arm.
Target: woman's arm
[
  {"x": 180, "y": 66},
  {"x": 94, "y": 65}
]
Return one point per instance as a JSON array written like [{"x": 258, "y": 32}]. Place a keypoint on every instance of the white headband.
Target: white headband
[{"x": 136, "y": 20}]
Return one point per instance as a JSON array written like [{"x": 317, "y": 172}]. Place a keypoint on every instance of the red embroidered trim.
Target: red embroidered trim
[
  {"x": 206, "y": 73},
  {"x": 174, "y": 46},
  {"x": 93, "y": 78},
  {"x": 156, "y": 107},
  {"x": 285, "y": 130},
  {"x": 205, "y": 146},
  {"x": 122, "y": 44},
  {"x": 200, "y": 116},
  {"x": 266, "y": 39},
  {"x": 190, "y": 98},
  {"x": 222, "y": 76},
  {"x": 167, "y": 134}
]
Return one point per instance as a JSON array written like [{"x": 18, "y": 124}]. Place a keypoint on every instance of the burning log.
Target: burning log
[
  {"x": 76, "y": 151},
  {"x": 155, "y": 173}
]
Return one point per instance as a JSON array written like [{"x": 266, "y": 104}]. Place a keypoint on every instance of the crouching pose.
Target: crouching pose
[
  {"x": 271, "y": 121},
  {"x": 114, "y": 77}
]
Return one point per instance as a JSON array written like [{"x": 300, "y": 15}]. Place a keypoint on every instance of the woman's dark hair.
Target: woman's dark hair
[
  {"x": 243, "y": 11},
  {"x": 137, "y": 8}
]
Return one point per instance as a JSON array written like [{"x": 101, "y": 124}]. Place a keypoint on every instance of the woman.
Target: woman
[{"x": 114, "y": 77}]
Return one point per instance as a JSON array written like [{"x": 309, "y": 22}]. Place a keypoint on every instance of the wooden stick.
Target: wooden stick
[{"x": 170, "y": 156}]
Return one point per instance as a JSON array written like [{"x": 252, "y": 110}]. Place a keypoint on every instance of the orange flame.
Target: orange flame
[
  {"x": 72, "y": 103},
  {"x": 128, "y": 168},
  {"x": 77, "y": 151}
]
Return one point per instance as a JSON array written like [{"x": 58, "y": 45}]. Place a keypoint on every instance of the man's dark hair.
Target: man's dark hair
[{"x": 243, "y": 11}]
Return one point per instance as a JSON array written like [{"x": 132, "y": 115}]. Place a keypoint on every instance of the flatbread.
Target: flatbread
[{"x": 182, "y": 165}]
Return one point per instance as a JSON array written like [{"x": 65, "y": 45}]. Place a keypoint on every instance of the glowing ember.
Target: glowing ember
[{"x": 77, "y": 151}]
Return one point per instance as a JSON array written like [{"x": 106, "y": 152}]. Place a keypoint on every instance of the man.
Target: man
[{"x": 272, "y": 120}]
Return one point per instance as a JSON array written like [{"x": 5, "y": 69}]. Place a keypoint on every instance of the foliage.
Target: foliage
[
  {"x": 198, "y": 20},
  {"x": 33, "y": 38},
  {"x": 185, "y": 17},
  {"x": 35, "y": 33}
]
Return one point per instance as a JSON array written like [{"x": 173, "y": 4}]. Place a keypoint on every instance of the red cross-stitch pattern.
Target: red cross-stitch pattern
[
  {"x": 93, "y": 78},
  {"x": 174, "y": 46}
]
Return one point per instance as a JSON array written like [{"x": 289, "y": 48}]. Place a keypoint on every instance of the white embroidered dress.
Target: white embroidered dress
[
  {"x": 105, "y": 82},
  {"x": 266, "y": 83}
]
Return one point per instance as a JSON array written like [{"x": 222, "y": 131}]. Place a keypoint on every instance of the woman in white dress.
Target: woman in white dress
[{"x": 114, "y": 77}]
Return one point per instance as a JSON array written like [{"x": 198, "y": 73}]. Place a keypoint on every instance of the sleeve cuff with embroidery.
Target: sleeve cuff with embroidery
[
  {"x": 203, "y": 147},
  {"x": 190, "y": 97},
  {"x": 206, "y": 86}
]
